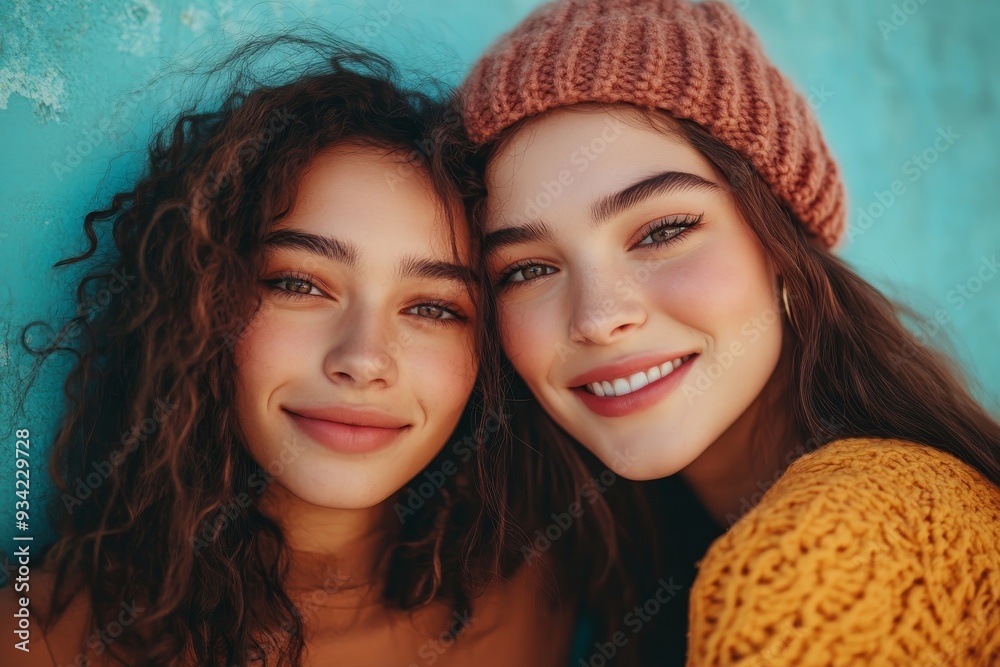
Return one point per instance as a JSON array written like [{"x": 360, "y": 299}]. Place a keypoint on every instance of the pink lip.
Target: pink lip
[
  {"x": 621, "y": 406},
  {"x": 624, "y": 367},
  {"x": 348, "y": 430}
]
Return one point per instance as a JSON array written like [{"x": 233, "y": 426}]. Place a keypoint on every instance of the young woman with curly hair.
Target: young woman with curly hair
[{"x": 258, "y": 464}]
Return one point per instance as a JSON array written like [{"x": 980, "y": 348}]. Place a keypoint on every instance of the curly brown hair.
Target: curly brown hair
[{"x": 152, "y": 474}]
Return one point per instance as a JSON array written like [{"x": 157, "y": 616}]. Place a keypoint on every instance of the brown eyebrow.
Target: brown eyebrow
[
  {"x": 530, "y": 232},
  {"x": 420, "y": 267},
  {"x": 604, "y": 208},
  {"x": 658, "y": 184},
  {"x": 324, "y": 246},
  {"x": 339, "y": 251}
]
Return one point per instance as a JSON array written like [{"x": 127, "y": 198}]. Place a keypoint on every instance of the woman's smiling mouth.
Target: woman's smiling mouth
[
  {"x": 615, "y": 390},
  {"x": 636, "y": 381},
  {"x": 348, "y": 430}
]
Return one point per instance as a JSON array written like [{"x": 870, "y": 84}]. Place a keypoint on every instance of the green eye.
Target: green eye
[{"x": 667, "y": 230}]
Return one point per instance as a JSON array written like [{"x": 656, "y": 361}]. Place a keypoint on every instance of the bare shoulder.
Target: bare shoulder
[{"x": 519, "y": 621}]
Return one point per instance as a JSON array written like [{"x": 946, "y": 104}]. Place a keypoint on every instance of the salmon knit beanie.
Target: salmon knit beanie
[{"x": 695, "y": 60}]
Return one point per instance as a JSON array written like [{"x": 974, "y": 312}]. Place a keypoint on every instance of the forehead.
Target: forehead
[
  {"x": 568, "y": 157},
  {"x": 370, "y": 197}
]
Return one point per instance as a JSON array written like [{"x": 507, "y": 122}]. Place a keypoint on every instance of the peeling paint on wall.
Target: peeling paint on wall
[
  {"x": 26, "y": 68},
  {"x": 140, "y": 25}
]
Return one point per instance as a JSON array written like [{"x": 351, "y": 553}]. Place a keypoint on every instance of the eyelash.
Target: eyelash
[
  {"x": 450, "y": 308},
  {"x": 684, "y": 223}
]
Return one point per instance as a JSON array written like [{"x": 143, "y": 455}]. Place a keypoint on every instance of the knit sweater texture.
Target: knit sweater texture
[{"x": 864, "y": 552}]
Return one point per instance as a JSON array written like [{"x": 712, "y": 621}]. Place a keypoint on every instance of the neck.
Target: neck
[
  {"x": 333, "y": 550},
  {"x": 731, "y": 476}
]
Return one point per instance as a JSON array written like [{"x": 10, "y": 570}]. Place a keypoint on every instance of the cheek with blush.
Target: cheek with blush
[
  {"x": 713, "y": 289},
  {"x": 531, "y": 341}
]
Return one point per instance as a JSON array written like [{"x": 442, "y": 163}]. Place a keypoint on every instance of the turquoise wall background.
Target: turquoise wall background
[{"x": 907, "y": 93}]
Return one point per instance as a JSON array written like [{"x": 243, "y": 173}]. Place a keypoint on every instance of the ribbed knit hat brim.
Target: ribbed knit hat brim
[{"x": 698, "y": 61}]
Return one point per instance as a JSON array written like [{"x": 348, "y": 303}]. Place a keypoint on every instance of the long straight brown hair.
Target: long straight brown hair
[{"x": 856, "y": 371}]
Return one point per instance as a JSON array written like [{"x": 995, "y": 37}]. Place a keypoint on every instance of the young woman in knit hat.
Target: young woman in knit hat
[{"x": 659, "y": 218}]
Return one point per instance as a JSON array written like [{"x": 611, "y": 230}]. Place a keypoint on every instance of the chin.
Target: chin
[
  {"x": 646, "y": 458},
  {"x": 351, "y": 494}
]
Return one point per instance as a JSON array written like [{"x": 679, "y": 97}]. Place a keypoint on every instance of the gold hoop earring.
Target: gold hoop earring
[{"x": 788, "y": 309}]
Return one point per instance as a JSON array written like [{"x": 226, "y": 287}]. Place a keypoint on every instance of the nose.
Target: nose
[
  {"x": 604, "y": 308},
  {"x": 362, "y": 355}
]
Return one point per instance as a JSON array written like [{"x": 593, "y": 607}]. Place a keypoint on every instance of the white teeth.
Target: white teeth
[{"x": 636, "y": 381}]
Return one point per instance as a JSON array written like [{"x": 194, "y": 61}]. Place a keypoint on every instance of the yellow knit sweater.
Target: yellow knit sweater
[{"x": 865, "y": 552}]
